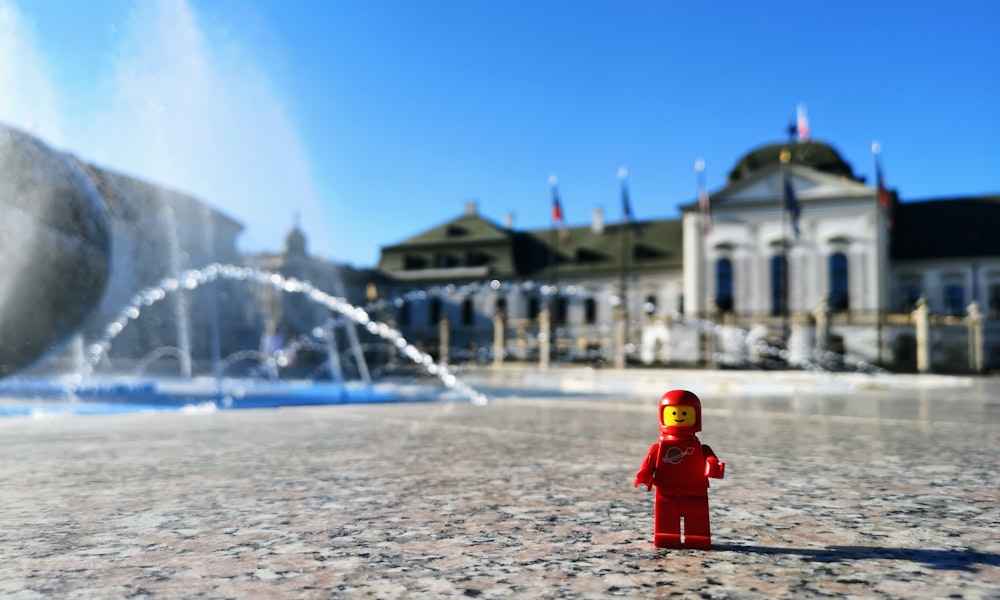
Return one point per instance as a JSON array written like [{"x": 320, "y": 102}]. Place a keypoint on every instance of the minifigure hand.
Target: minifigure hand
[
  {"x": 643, "y": 479},
  {"x": 714, "y": 468}
]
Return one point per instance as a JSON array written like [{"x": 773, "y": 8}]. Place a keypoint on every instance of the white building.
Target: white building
[{"x": 798, "y": 250}]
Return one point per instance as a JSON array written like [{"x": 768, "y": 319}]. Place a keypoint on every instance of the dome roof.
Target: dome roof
[
  {"x": 817, "y": 155},
  {"x": 295, "y": 242}
]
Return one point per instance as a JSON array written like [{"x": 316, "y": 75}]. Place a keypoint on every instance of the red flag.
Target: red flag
[
  {"x": 802, "y": 123},
  {"x": 557, "y": 216},
  {"x": 884, "y": 199}
]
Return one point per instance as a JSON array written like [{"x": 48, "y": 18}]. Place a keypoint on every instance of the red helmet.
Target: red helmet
[{"x": 680, "y": 398}]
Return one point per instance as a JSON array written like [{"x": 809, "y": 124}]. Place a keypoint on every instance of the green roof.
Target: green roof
[
  {"x": 472, "y": 241},
  {"x": 651, "y": 246},
  {"x": 946, "y": 228},
  {"x": 461, "y": 231}
]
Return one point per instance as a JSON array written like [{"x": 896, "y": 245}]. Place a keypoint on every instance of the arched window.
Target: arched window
[
  {"x": 779, "y": 284},
  {"x": 954, "y": 299},
  {"x": 561, "y": 309},
  {"x": 911, "y": 288},
  {"x": 501, "y": 308},
  {"x": 839, "y": 295},
  {"x": 590, "y": 311},
  {"x": 534, "y": 307},
  {"x": 435, "y": 311},
  {"x": 468, "y": 314},
  {"x": 724, "y": 285}
]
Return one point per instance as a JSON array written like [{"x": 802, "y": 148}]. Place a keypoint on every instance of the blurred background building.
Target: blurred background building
[
  {"x": 795, "y": 248},
  {"x": 795, "y": 251}
]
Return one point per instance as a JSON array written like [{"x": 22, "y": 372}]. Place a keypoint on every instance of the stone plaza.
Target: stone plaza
[{"x": 845, "y": 491}]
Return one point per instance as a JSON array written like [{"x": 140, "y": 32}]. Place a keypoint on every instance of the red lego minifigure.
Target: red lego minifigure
[{"x": 679, "y": 466}]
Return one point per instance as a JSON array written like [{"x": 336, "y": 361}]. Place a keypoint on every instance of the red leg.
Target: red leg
[
  {"x": 697, "y": 532},
  {"x": 667, "y": 522}
]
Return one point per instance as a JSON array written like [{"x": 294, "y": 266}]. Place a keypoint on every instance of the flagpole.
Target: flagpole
[
  {"x": 624, "y": 264},
  {"x": 785, "y": 157},
  {"x": 703, "y": 269},
  {"x": 553, "y": 238},
  {"x": 879, "y": 251},
  {"x": 557, "y": 221}
]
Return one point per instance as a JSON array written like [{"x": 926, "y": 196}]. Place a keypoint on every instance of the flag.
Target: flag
[
  {"x": 706, "y": 209},
  {"x": 557, "y": 216},
  {"x": 802, "y": 123},
  {"x": 627, "y": 209},
  {"x": 884, "y": 199},
  {"x": 792, "y": 206}
]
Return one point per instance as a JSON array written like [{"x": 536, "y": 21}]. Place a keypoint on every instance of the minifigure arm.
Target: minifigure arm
[
  {"x": 713, "y": 467},
  {"x": 645, "y": 474}
]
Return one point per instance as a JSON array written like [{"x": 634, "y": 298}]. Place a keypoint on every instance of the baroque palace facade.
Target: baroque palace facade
[{"x": 848, "y": 278}]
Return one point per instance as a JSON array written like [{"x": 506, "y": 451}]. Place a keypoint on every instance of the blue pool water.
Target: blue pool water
[{"x": 40, "y": 397}]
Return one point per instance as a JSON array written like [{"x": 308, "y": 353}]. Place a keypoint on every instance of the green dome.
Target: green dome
[{"x": 817, "y": 155}]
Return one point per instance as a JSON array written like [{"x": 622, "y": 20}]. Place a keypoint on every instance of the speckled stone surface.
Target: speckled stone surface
[{"x": 869, "y": 495}]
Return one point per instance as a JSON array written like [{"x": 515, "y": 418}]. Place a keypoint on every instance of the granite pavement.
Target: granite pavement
[{"x": 875, "y": 494}]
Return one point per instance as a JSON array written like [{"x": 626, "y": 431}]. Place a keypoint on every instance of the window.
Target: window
[
  {"x": 954, "y": 299},
  {"x": 590, "y": 310},
  {"x": 445, "y": 261},
  {"x": 993, "y": 310},
  {"x": 414, "y": 263},
  {"x": 838, "y": 298},
  {"x": 779, "y": 284},
  {"x": 584, "y": 255},
  {"x": 561, "y": 305},
  {"x": 647, "y": 252},
  {"x": 911, "y": 289},
  {"x": 468, "y": 312},
  {"x": 724, "y": 285},
  {"x": 474, "y": 258},
  {"x": 534, "y": 307},
  {"x": 501, "y": 307},
  {"x": 404, "y": 314},
  {"x": 435, "y": 311}
]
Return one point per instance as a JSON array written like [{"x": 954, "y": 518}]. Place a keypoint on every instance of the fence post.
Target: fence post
[
  {"x": 444, "y": 333},
  {"x": 498, "y": 339},
  {"x": 975, "y": 326},
  {"x": 620, "y": 325},
  {"x": 921, "y": 318},
  {"x": 544, "y": 339}
]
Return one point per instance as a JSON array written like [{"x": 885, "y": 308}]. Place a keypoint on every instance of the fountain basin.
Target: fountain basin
[{"x": 58, "y": 397}]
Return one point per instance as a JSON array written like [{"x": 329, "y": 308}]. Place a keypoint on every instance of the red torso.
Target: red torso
[{"x": 678, "y": 463}]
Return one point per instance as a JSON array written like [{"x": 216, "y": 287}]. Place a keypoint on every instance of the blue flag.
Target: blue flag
[
  {"x": 792, "y": 206},
  {"x": 627, "y": 209}
]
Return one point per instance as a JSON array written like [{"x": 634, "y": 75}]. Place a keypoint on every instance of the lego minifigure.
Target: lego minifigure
[{"x": 679, "y": 466}]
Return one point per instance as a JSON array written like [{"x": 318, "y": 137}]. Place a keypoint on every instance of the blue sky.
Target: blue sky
[{"x": 372, "y": 121}]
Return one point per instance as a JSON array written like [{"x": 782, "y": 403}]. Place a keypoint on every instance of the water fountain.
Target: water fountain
[
  {"x": 733, "y": 346},
  {"x": 56, "y": 236},
  {"x": 226, "y": 392}
]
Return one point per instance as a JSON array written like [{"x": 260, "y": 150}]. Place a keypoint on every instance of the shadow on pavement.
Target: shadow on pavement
[{"x": 957, "y": 560}]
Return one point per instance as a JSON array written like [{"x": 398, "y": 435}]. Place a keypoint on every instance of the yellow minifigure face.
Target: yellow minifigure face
[{"x": 680, "y": 415}]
